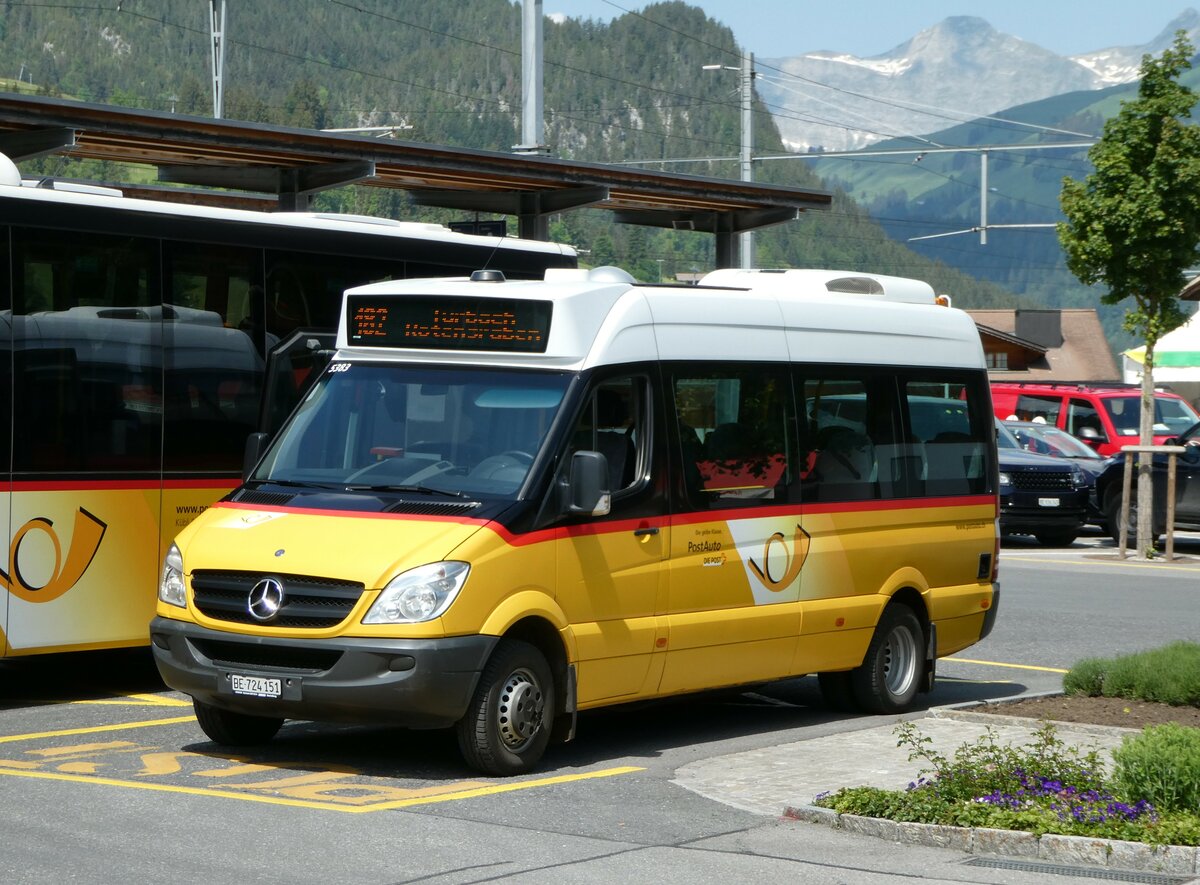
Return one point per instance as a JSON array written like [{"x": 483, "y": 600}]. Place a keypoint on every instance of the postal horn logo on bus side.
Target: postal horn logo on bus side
[
  {"x": 774, "y": 568},
  {"x": 86, "y": 536},
  {"x": 265, "y": 599}
]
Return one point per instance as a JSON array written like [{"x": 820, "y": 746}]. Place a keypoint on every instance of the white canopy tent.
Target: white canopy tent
[{"x": 1176, "y": 361}]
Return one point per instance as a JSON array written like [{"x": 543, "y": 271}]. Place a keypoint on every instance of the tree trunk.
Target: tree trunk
[{"x": 1145, "y": 484}]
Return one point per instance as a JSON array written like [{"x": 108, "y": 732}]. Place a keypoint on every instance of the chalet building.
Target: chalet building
[{"x": 1045, "y": 345}]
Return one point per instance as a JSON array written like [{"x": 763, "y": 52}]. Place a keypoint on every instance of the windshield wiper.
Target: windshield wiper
[
  {"x": 424, "y": 490},
  {"x": 298, "y": 484}
]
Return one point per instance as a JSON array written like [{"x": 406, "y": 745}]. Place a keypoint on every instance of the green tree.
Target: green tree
[{"x": 1133, "y": 224}]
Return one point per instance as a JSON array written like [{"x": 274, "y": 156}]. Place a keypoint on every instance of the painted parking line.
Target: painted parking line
[
  {"x": 142, "y": 766},
  {"x": 1002, "y": 664},
  {"x": 95, "y": 729},
  {"x": 136, "y": 700}
]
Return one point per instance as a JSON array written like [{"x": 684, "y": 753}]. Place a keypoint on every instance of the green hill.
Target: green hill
[
  {"x": 449, "y": 73},
  {"x": 940, "y": 193}
]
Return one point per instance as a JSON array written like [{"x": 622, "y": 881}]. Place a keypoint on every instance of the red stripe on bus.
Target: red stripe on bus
[
  {"x": 656, "y": 522},
  {"x": 93, "y": 485}
]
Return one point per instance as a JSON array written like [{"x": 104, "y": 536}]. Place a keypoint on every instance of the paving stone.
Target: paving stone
[
  {"x": 1011, "y": 843},
  {"x": 937, "y": 835},
  {"x": 1073, "y": 850}
]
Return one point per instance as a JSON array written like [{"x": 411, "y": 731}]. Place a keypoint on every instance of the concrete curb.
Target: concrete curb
[
  {"x": 1111, "y": 854},
  {"x": 1069, "y": 850}
]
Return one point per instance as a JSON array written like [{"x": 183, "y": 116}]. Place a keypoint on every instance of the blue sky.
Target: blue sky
[{"x": 774, "y": 28}]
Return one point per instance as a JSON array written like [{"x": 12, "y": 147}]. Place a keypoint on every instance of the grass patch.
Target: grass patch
[{"x": 1167, "y": 675}]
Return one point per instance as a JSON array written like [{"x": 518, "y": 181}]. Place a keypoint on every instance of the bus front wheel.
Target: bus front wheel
[
  {"x": 508, "y": 721},
  {"x": 234, "y": 729},
  {"x": 890, "y": 675}
]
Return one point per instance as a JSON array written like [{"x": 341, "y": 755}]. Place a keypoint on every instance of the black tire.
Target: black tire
[
  {"x": 892, "y": 671},
  {"x": 509, "y": 718},
  {"x": 1112, "y": 517},
  {"x": 1057, "y": 539},
  {"x": 837, "y": 692},
  {"x": 235, "y": 729}
]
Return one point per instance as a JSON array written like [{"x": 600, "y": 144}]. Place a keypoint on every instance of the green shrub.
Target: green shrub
[
  {"x": 1162, "y": 766},
  {"x": 1168, "y": 675},
  {"x": 1086, "y": 678}
]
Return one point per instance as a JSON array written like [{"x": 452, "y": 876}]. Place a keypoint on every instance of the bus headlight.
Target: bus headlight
[
  {"x": 419, "y": 594},
  {"x": 171, "y": 588}
]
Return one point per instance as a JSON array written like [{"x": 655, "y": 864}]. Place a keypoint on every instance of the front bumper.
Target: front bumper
[{"x": 418, "y": 683}]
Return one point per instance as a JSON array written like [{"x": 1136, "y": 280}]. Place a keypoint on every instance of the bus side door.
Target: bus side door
[{"x": 610, "y": 570}]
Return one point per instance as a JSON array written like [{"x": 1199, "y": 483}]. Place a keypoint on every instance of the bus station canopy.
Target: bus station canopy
[{"x": 280, "y": 167}]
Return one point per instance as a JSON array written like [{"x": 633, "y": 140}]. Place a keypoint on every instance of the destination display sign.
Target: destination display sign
[{"x": 448, "y": 323}]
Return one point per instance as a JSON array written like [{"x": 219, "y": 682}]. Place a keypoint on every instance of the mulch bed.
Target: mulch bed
[{"x": 1096, "y": 711}]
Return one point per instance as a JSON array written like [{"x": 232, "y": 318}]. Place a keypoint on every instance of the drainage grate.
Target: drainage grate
[{"x": 1057, "y": 869}]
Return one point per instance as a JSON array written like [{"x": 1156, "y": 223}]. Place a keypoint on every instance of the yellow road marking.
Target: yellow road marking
[
  {"x": 96, "y": 729},
  {"x": 138, "y": 700},
  {"x": 327, "y": 806},
  {"x": 1013, "y": 666}
]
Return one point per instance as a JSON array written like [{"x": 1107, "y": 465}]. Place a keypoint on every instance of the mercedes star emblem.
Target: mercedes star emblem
[{"x": 265, "y": 599}]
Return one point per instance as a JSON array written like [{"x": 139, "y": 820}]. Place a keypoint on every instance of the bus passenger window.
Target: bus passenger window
[
  {"x": 849, "y": 429},
  {"x": 735, "y": 436},
  {"x": 952, "y": 433}
]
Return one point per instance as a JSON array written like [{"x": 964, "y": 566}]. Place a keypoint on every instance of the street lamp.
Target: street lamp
[{"x": 746, "y": 247}]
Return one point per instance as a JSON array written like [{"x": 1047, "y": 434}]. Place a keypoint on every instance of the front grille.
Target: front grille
[
  {"x": 275, "y": 657},
  {"x": 1042, "y": 480},
  {"x": 307, "y": 602}
]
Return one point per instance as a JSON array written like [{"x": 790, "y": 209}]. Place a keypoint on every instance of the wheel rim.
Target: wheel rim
[
  {"x": 899, "y": 661},
  {"x": 519, "y": 709}
]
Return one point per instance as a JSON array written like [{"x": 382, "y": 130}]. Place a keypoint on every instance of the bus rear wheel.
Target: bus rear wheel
[
  {"x": 890, "y": 674},
  {"x": 235, "y": 729},
  {"x": 508, "y": 721}
]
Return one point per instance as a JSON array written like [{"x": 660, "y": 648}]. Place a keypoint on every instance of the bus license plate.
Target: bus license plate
[
  {"x": 256, "y": 686},
  {"x": 1048, "y": 502}
]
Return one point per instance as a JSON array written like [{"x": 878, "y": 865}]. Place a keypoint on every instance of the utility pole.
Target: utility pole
[
  {"x": 746, "y": 238},
  {"x": 216, "y": 30},
  {"x": 532, "y": 122},
  {"x": 747, "y": 244}
]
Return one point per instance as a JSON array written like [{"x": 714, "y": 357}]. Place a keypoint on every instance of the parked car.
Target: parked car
[
  {"x": 1103, "y": 416},
  {"x": 1039, "y": 495},
  {"x": 1043, "y": 439},
  {"x": 1110, "y": 486}
]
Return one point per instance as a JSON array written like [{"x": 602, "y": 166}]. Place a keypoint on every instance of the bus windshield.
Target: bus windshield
[{"x": 459, "y": 431}]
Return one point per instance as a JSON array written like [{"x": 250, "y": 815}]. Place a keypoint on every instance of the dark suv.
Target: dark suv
[
  {"x": 1039, "y": 495},
  {"x": 1109, "y": 486}
]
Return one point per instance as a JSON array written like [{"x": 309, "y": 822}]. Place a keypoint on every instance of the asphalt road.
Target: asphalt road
[{"x": 105, "y": 775}]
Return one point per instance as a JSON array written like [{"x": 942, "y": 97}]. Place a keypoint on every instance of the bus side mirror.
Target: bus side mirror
[
  {"x": 256, "y": 444},
  {"x": 587, "y": 486}
]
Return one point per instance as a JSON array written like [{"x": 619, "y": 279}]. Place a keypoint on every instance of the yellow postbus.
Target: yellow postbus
[
  {"x": 136, "y": 340},
  {"x": 504, "y": 502}
]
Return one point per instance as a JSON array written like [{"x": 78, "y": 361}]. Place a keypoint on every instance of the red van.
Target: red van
[{"x": 1103, "y": 416}]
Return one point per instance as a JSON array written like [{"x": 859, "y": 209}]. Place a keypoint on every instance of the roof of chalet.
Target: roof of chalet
[{"x": 1084, "y": 355}]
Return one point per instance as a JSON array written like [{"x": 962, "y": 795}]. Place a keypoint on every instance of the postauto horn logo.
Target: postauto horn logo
[{"x": 85, "y": 541}]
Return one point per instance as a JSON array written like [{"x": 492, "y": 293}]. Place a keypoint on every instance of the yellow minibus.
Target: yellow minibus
[{"x": 505, "y": 501}]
